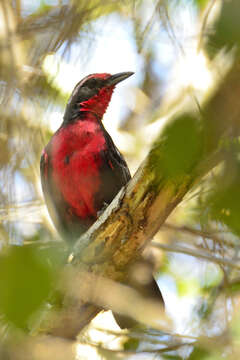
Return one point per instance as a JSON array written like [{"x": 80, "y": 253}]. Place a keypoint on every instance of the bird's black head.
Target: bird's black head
[{"x": 93, "y": 93}]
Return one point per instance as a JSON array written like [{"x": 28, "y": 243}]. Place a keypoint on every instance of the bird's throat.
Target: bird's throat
[{"x": 98, "y": 104}]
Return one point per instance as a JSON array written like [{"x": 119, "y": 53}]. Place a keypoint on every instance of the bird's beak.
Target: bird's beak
[{"x": 116, "y": 78}]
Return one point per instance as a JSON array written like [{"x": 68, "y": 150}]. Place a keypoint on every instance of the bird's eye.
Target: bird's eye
[{"x": 91, "y": 83}]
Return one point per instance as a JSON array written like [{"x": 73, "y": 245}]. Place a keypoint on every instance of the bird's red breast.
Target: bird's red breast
[{"x": 75, "y": 165}]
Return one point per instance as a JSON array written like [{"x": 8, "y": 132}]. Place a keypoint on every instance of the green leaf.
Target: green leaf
[
  {"x": 180, "y": 148},
  {"x": 25, "y": 283},
  {"x": 227, "y": 28},
  {"x": 201, "y": 4},
  {"x": 224, "y": 202},
  {"x": 199, "y": 354},
  {"x": 226, "y": 207},
  {"x": 235, "y": 287},
  {"x": 131, "y": 344},
  {"x": 171, "y": 357}
]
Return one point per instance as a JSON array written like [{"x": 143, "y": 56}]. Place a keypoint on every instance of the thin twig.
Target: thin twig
[
  {"x": 198, "y": 254},
  {"x": 171, "y": 32},
  {"x": 195, "y": 232},
  {"x": 147, "y": 336},
  {"x": 204, "y": 23},
  {"x": 132, "y": 352}
]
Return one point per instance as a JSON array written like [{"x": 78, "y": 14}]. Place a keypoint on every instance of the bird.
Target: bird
[{"x": 81, "y": 168}]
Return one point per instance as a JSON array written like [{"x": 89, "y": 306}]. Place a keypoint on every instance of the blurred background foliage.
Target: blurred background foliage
[{"x": 180, "y": 52}]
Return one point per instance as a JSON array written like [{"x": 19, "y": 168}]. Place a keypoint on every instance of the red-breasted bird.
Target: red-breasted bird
[{"x": 81, "y": 168}]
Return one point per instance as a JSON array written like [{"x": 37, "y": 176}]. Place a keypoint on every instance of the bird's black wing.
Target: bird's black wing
[
  {"x": 114, "y": 173},
  {"x": 118, "y": 162}
]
